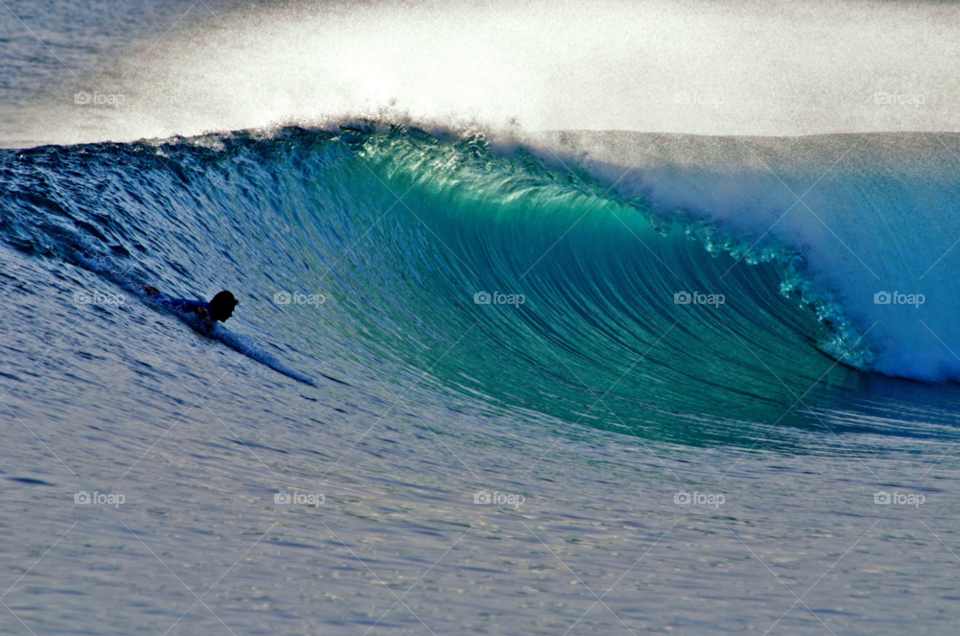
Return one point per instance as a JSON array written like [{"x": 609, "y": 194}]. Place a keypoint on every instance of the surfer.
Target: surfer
[{"x": 220, "y": 307}]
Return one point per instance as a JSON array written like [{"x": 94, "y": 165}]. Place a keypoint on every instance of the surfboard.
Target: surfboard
[{"x": 247, "y": 346}]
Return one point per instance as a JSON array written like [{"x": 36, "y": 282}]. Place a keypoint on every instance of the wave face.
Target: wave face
[
  {"x": 867, "y": 215},
  {"x": 406, "y": 234}
]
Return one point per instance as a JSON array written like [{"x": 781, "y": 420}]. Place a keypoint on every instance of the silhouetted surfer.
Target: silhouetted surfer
[{"x": 220, "y": 307}]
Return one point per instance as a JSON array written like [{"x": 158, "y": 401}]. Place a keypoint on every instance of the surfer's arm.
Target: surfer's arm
[{"x": 207, "y": 320}]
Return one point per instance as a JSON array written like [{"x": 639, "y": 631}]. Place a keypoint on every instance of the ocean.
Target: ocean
[{"x": 525, "y": 345}]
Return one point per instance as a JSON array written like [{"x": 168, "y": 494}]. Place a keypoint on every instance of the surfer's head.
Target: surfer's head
[{"x": 221, "y": 305}]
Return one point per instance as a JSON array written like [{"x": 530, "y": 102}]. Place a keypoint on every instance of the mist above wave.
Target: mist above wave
[{"x": 692, "y": 67}]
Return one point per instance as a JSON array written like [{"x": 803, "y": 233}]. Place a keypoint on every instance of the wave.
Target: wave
[{"x": 407, "y": 234}]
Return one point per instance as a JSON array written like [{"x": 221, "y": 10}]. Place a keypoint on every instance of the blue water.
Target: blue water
[{"x": 431, "y": 313}]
